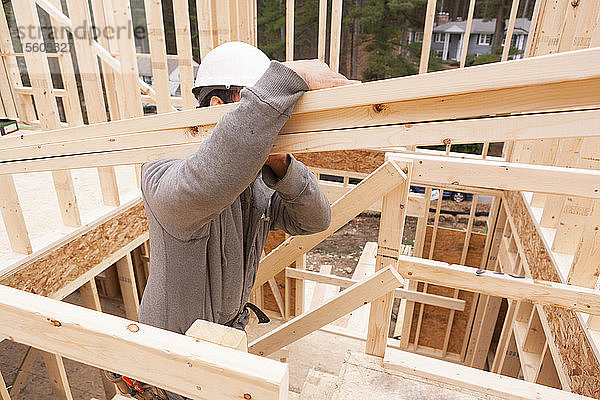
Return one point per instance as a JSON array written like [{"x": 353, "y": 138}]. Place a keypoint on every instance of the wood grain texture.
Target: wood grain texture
[
  {"x": 166, "y": 359},
  {"x": 576, "y": 354},
  {"x": 57, "y": 269}
]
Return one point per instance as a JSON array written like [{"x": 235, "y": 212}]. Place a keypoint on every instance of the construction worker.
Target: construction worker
[{"x": 209, "y": 215}]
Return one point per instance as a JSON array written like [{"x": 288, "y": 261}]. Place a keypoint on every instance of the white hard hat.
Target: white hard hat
[{"x": 230, "y": 64}]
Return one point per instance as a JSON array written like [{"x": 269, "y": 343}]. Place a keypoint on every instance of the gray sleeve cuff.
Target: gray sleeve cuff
[
  {"x": 280, "y": 87},
  {"x": 291, "y": 186}
]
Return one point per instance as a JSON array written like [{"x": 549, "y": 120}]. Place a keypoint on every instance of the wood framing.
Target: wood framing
[
  {"x": 501, "y": 175},
  {"x": 183, "y": 364},
  {"x": 575, "y": 354},
  {"x": 470, "y": 378},
  {"x": 389, "y": 242},
  {"x": 47, "y": 110},
  {"x": 344, "y": 283},
  {"x": 67, "y": 266},
  {"x": 474, "y": 81},
  {"x": 350, "y": 299},
  {"x": 384, "y": 179},
  {"x": 502, "y": 285}
]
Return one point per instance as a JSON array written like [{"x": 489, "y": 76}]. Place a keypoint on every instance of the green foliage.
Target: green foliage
[
  {"x": 384, "y": 23},
  {"x": 495, "y": 56},
  {"x": 435, "y": 62},
  {"x": 486, "y": 59},
  {"x": 271, "y": 28}
]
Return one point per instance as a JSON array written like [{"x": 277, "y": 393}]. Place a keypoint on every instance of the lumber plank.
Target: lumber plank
[
  {"x": 322, "y": 30},
  {"x": 470, "y": 378},
  {"x": 24, "y": 369},
  {"x": 218, "y": 334},
  {"x": 389, "y": 242},
  {"x": 509, "y": 30},
  {"x": 71, "y": 101},
  {"x": 166, "y": 359},
  {"x": 502, "y": 175},
  {"x": 58, "y": 375},
  {"x": 474, "y": 80},
  {"x": 358, "y": 320},
  {"x": 205, "y": 26},
  {"x": 131, "y": 105},
  {"x": 3, "y": 392},
  {"x": 501, "y": 285},
  {"x": 427, "y": 34},
  {"x": 114, "y": 145},
  {"x": 335, "y": 39},
  {"x": 12, "y": 215},
  {"x": 382, "y": 180},
  {"x": 289, "y": 30},
  {"x": 467, "y": 35},
  {"x": 158, "y": 54},
  {"x": 184, "y": 52},
  {"x": 128, "y": 287},
  {"x": 350, "y": 299},
  {"x": 344, "y": 283}
]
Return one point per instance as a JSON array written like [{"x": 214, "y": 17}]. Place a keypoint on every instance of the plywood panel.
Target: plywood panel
[
  {"x": 57, "y": 269},
  {"x": 577, "y": 356}
]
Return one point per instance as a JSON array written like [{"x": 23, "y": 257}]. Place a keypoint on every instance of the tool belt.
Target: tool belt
[
  {"x": 262, "y": 317},
  {"x": 135, "y": 389},
  {"x": 142, "y": 391}
]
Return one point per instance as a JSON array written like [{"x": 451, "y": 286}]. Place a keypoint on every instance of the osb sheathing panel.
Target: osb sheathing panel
[
  {"x": 448, "y": 248},
  {"x": 363, "y": 161},
  {"x": 577, "y": 356},
  {"x": 62, "y": 266}
]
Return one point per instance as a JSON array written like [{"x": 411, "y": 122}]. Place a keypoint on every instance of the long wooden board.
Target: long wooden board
[{"x": 166, "y": 359}]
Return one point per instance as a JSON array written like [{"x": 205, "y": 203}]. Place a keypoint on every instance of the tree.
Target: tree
[{"x": 384, "y": 23}]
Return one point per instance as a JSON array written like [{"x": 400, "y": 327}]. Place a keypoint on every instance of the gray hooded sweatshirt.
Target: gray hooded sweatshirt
[{"x": 209, "y": 214}]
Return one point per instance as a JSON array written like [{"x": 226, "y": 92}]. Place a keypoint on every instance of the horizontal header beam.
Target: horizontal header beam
[
  {"x": 400, "y": 293},
  {"x": 571, "y": 297},
  {"x": 468, "y": 172}
]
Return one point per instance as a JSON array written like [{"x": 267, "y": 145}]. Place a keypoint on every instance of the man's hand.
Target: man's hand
[
  {"x": 317, "y": 74},
  {"x": 279, "y": 163}
]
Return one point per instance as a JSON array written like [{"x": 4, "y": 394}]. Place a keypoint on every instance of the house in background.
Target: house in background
[
  {"x": 449, "y": 37},
  {"x": 145, "y": 71}
]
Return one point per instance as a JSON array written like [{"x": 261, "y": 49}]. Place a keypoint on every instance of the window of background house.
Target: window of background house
[
  {"x": 438, "y": 37},
  {"x": 485, "y": 39}
]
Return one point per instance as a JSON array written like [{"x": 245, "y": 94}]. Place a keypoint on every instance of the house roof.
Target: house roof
[
  {"x": 145, "y": 65},
  {"x": 145, "y": 69},
  {"x": 481, "y": 26}
]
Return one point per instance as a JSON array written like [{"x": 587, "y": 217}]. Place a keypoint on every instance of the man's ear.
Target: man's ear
[{"x": 215, "y": 101}]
